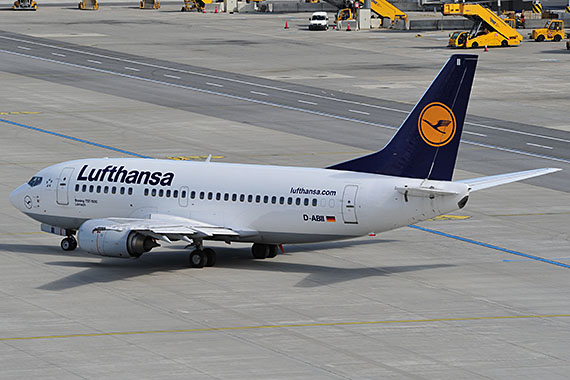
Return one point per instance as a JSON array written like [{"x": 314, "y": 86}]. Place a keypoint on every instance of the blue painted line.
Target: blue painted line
[
  {"x": 74, "y": 138},
  {"x": 532, "y": 257}
]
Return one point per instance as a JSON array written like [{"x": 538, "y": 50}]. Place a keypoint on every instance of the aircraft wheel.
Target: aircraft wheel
[
  {"x": 197, "y": 259},
  {"x": 272, "y": 251},
  {"x": 557, "y": 38},
  {"x": 210, "y": 257},
  {"x": 69, "y": 243},
  {"x": 540, "y": 38},
  {"x": 260, "y": 251}
]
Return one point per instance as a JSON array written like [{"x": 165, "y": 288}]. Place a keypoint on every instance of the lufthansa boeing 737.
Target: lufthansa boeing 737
[{"x": 123, "y": 207}]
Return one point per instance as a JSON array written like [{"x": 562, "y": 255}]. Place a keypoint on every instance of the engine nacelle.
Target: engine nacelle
[{"x": 112, "y": 243}]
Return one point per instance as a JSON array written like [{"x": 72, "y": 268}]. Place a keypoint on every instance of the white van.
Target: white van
[{"x": 319, "y": 20}]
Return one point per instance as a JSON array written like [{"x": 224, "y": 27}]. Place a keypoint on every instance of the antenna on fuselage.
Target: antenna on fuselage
[{"x": 209, "y": 158}]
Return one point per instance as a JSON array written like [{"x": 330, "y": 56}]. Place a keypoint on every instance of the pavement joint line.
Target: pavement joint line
[
  {"x": 289, "y": 325},
  {"x": 73, "y": 138},
  {"x": 486, "y": 245},
  {"x": 271, "y": 104},
  {"x": 273, "y": 87}
]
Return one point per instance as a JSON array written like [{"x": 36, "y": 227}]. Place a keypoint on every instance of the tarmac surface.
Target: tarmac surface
[{"x": 481, "y": 294}]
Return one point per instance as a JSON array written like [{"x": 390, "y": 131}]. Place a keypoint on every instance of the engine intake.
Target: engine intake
[{"x": 112, "y": 243}]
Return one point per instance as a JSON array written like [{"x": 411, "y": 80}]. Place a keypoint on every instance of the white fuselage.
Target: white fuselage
[{"x": 270, "y": 204}]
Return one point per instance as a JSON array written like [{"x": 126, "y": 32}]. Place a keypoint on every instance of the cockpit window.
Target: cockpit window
[{"x": 35, "y": 181}]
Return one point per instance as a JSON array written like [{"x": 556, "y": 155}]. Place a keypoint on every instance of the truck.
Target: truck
[{"x": 553, "y": 31}]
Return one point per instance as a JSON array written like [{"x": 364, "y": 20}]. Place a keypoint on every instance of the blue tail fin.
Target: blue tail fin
[{"x": 426, "y": 144}]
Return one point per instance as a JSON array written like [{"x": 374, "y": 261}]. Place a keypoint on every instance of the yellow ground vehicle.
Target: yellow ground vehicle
[
  {"x": 344, "y": 14},
  {"x": 553, "y": 31},
  {"x": 488, "y": 28},
  {"x": 199, "y": 5},
  {"x": 387, "y": 10},
  {"x": 25, "y": 5}
]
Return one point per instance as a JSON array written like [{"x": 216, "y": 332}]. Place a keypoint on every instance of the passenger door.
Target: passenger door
[
  {"x": 62, "y": 190},
  {"x": 349, "y": 204}
]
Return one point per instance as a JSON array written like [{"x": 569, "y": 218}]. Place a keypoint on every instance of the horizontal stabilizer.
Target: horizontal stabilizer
[
  {"x": 423, "y": 191},
  {"x": 501, "y": 179}
]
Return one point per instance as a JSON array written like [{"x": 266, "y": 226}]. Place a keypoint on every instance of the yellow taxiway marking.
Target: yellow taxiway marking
[
  {"x": 19, "y": 113},
  {"x": 292, "y": 325},
  {"x": 21, "y": 233},
  {"x": 450, "y": 217}
]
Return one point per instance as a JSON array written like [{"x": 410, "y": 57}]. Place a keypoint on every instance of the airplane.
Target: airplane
[{"x": 123, "y": 207}]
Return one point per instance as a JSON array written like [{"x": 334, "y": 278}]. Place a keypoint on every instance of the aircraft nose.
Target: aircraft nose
[{"x": 16, "y": 198}]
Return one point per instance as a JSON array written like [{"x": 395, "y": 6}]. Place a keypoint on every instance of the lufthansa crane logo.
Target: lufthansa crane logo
[{"x": 437, "y": 124}]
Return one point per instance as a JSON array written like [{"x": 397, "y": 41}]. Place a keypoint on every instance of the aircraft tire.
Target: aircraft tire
[
  {"x": 210, "y": 257},
  {"x": 197, "y": 259},
  {"x": 69, "y": 244},
  {"x": 260, "y": 251}
]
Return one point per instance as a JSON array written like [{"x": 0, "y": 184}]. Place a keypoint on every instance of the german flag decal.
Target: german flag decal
[{"x": 331, "y": 219}]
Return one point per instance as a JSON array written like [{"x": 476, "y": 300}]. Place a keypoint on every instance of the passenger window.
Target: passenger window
[
  {"x": 331, "y": 203},
  {"x": 167, "y": 193},
  {"x": 160, "y": 193},
  {"x": 242, "y": 197},
  {"x": 91, "y": 187},
  {"x": 274, "y": 199},
  {"x": 226, "y": 197},
  {"x": 182, "y": 194},
  {"x": 76, "y": 187},
  {"x": 289, "y": 201},
  {"x": 257, "y": 198},
  {"x": 306, "y": 202},
  {"x": 146, "y": 192},
  {"x": 175, "y": 194},
  {"x": 98, "y": 188},
  {"x": 153, "y": 192},
  {"x": 250, "y": 198},
  {"x": 234, "y": 197},
  {"x": 84, "y": 188},
  {"x": 298, "y": 201},
  {"x": 265, "y": 199},
  {"x": 130, "y": 191},
  {"x": 323, "y": 203},
  {"x": 281, "y": 200},
  {"x": 192, "y": 194},
  {"x": 123, "y": 190},
  {"x": 210, "y": 195},
  {"x": 113, "y": 190},
  {"x": 218, "y": 196},
  {"x": 106, "y": 189},
  {"x": 315, "y": 202}
]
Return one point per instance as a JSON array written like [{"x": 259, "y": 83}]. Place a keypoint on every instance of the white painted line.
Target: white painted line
[
  {"x": 259, "y": 93},
  {"x": 271, "y": 104},
  {"x": 171, "y": 76},
  {"x": 24, "y": 48},
  {"x": 93, "y": 61},
  {"x": 540, "y": 146},
  {"x": 58, "y": 55},
  {"x": 518, "y": 132},
  {"x": 360, "y": 112},
  {"x": 306, "y": 102},
  {"x": 131, "y": 68},
  {"x": 214, "y": 84},
  {"x": 474, "y": 133}
]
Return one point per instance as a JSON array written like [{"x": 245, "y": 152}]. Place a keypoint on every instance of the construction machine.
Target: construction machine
[
  {"x": 488, "y": 28},
  {"x": 553, "y": 31}
]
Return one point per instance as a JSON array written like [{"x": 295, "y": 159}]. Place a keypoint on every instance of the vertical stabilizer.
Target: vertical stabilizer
[{"x": 426, "y": 144}]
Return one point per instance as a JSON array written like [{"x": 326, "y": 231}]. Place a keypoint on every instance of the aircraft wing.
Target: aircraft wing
[
  {"x": 168, "y": 228},
  {"x": 496, "y": 180}
]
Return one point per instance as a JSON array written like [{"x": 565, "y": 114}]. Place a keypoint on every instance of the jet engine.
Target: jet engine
[{"x": 127, "y": 243}]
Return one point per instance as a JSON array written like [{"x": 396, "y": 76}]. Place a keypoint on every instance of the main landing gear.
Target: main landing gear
[
  {"x": 69, "y": 243},
  {"x": 206, "y": 257}
]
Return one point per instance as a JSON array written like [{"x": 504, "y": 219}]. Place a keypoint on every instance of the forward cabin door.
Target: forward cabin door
[
  {"x": 62, "y": 191},
  {"x": 349, "y": 204}
]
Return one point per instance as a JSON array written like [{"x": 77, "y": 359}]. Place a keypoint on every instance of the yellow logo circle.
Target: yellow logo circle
[{"x": 437, "y": 124}]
